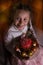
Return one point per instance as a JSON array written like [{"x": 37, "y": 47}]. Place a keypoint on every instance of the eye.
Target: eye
[
  {"x": 25, "y": 20},
  {"x": 17, "y": 18}
]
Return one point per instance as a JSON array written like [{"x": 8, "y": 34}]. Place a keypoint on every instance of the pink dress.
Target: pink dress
[{"x": 36, "y": 60}]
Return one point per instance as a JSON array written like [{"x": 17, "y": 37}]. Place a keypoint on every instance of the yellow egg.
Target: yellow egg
[
  {"x": 31, "y": 53},
  {"x": 24, "y": 54}
]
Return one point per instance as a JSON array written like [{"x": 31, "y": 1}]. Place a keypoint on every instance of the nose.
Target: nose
[{"x": 20, "y": 21}]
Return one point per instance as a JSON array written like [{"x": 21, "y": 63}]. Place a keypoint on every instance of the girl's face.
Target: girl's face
[{"x": 21, "y": 19}]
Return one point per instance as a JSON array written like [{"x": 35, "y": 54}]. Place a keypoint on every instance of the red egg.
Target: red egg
[{"x": 26, "y": 43}]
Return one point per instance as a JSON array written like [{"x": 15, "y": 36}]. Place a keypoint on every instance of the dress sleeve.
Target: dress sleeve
[{"x": 8, "y": 37}]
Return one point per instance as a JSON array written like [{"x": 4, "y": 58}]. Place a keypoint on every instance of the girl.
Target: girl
[{"x": 21, "y": 41}]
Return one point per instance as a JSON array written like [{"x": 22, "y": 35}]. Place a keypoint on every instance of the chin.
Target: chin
[{"x": 20, "y": 28}]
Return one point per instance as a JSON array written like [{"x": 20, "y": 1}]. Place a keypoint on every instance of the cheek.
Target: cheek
[
  {"x": 26, "y": 23},
  {"x": 16, "y": 22}
]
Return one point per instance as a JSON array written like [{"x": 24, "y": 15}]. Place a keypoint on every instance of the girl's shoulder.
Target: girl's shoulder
[{"x": 12, "y": 28}]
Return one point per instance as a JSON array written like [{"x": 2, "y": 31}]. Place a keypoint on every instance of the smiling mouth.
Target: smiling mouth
[{"x": 21, "y": 25}]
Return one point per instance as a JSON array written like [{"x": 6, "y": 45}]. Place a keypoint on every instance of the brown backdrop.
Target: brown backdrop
[{"x": 36, "y": 6}]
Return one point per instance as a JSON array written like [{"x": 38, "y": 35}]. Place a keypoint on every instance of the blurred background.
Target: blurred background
[{"x": 36, "y": 6}]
